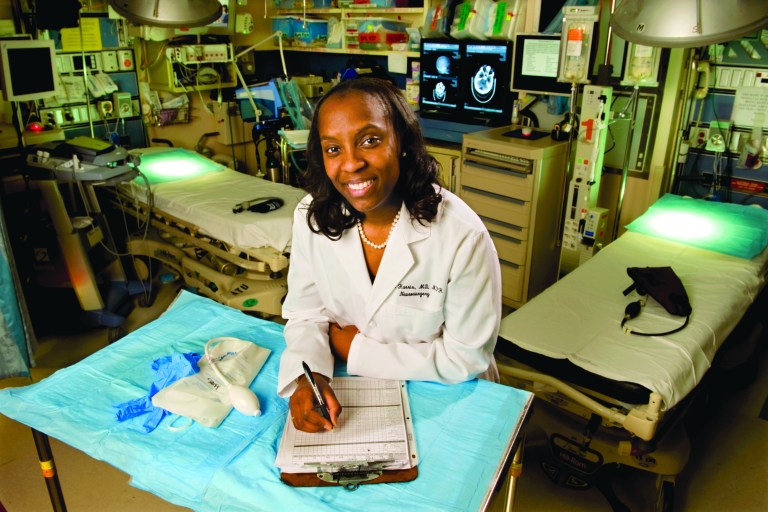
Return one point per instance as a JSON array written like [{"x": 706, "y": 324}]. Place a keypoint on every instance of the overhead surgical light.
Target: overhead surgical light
[
  {"x": 169, "y": 13},
  {"x": 687, "y": 23}
]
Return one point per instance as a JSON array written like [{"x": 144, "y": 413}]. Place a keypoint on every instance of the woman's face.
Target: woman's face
[{"x": 360, "y": 151}]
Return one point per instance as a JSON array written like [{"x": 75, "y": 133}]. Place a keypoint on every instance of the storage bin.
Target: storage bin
[
  {"x": 289, "y": 4},
  {"x": 373, "y": 3},
  {"x": 381, "y": 33},
  {"x": 470, "y": 19},
  {"x": 505, "y": 18},
  {"x": 307, "y": 32},
  {"x": 335, "y": 33},
  {"x": 350, "y": 26},
  {"x": 285, "y": 24},
  {"x": 437, "y": 21}
]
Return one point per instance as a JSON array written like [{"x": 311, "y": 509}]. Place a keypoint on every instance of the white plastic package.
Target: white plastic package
[{"x": 204, "y": 397}]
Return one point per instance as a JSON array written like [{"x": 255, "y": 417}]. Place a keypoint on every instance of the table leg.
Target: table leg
[
  {"x": 45, "y": 456},
  {"x": 514, "y": 472}
]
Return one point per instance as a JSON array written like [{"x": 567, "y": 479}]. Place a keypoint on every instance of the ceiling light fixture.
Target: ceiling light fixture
[
  {"x": 169, "y": 13},
  {"x": 687, "y": 23}
]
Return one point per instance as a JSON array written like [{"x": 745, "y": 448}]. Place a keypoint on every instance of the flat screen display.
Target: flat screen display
[
  {"x": 486, "y": 73},
  {"x": 535, "y": 65},
  {"x": 28, "y": 69},
  {"x": 223, "y": 26},
  {"x": 439, "y": 83}
]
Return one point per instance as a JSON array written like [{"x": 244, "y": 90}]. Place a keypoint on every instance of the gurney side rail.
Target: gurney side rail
[
  {"x": 641, "y": 421},
  {"x": 265, "y": 259}
]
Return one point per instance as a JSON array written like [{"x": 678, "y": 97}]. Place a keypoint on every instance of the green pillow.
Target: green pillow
[{"x": 728, "y": 228}]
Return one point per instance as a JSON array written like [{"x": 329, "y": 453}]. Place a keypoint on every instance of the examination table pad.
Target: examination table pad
[
  {"x": 206, "y": 200},
  {"x": 464, "y": 432},
  {"x": 579, "y": 318}
]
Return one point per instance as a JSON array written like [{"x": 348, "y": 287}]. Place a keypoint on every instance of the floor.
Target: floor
[{"x": 726, "y": 471}]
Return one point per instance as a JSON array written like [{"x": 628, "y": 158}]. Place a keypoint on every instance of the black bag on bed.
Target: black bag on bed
[{"x": 662, "y": 284}]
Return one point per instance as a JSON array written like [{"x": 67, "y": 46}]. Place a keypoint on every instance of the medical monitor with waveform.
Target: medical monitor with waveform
[
  {"x": 29, "y": 69},
  {"x": 439, "y": 86},
  {"x": 534, "y": 68},
  {"x": 486, "y": 69}
]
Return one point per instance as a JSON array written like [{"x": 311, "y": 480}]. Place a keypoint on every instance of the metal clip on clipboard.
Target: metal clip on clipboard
[{"x": 350, "y": 474}]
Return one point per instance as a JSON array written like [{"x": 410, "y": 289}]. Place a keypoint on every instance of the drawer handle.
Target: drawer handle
[
  {"x": 499, "y": 165},
  {"x": 509, "y": 263},
  {"x": 505, "y": 237},
  {"x": 497, "y": 222},
  {"x": 494, "y": 196}
]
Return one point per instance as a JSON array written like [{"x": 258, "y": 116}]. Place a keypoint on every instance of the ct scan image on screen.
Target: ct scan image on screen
[
  {"x": 487, "y": 68},
  {"x": 439, "y": 87}
]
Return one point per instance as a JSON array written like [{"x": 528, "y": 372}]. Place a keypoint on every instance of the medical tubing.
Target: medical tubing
[
  {"x": 213, "y": 364},
  {"x": 673, "y": 331}
]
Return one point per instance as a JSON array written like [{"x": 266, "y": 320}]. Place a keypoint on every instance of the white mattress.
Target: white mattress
[
  {"x": 579, "y": 317},
  {"x": 206, "y": 201}
]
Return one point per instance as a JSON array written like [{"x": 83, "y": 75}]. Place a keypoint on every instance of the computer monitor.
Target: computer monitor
[
  {"x": 486, "y": 69},
  {"x": 225, "y": 25},
  {"x": 440, "y": 89},
  {"x": 29, "y": 69},
  {"x": 535, "y": 65}
]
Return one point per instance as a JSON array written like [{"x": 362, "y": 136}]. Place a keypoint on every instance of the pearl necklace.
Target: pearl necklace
[{"x": 368, "y": 242}]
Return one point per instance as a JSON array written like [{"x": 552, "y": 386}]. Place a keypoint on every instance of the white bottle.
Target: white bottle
[{"x": 575, "y": 54}]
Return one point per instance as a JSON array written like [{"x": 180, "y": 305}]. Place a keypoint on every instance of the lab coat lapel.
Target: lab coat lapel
[
  {"x": 397, "y": 261},
  {"x": 349, "y": 250}
]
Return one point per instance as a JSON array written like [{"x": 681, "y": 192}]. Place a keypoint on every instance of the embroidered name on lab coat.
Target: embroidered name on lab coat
[{"x": 421, "y": 290}]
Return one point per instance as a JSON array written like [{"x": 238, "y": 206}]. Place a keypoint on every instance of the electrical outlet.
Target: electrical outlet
[
  {"x": 106, "y": 109},
  {"x": 699, "y": 137}
]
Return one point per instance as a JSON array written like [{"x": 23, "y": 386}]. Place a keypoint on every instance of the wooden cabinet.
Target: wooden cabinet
[
  {"x": 516, "y": 187},
  {"x": 449, "y": 158}
]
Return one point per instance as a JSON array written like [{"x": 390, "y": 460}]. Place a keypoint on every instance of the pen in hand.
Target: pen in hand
[{"x": 318, "y": 396}]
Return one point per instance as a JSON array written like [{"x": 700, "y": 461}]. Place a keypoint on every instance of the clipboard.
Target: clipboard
[
  {"x": 379, "y": 413},
  {"x": 350, "y": 476}
]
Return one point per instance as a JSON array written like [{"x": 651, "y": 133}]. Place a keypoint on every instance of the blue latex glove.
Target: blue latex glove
[{"x": 168, "y": 369}]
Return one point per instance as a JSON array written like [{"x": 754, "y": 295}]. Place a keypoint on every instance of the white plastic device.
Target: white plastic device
[
  {"x": 244, "y": 23},
  {"x": 702, "y": 78},
  {"x": 242, "y": 398},
  {"x": 100, "y": 84}
]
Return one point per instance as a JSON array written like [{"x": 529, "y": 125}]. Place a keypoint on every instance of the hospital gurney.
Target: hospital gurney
[
  {"x": 238, "y": 259},
  {"x": 610, "y": 398}
]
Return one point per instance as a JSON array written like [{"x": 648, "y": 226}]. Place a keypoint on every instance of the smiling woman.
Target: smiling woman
[{"x": 390, "y": 273}]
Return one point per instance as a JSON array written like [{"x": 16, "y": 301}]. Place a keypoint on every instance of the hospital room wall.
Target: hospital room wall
[
  {"x": 234, "y": 144},
  {"x": 639, "y": 191},
  {"x": 209, "y": 119}
]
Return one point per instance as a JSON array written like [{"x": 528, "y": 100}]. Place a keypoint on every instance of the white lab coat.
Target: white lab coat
[{"x": 432, "y": 313}]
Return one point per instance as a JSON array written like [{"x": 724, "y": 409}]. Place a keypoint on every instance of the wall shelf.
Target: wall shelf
[
  {"x": 346, "y": 51},
  {"x": 355, "y": 11}
]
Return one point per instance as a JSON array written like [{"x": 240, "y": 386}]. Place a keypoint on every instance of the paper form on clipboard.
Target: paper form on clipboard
[{"x": 375, "y": 426}]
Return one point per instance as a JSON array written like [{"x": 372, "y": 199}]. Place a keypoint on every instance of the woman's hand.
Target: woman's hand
[
  {"x": 305, "y": 412},
  {"x": 341, "y": 339}
]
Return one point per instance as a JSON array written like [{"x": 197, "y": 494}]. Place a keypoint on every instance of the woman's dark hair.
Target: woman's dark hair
[{"x": 329, "y": 213}]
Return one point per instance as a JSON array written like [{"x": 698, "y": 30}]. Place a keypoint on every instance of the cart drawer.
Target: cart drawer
[
  {"x": 497, "y": 207},
  {"x": 510, "y": 249},
  {"x": 512, "y": 277},
  {"x": 500, "y": 181}
]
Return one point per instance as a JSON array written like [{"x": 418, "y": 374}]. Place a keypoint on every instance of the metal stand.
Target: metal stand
[{"x": 45, "y": 456}]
